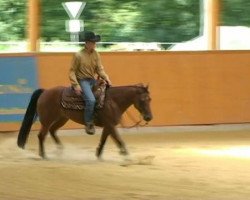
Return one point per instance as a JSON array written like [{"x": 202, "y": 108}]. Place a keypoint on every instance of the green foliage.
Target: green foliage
[
  {"x": 235, "y": 12},
  {"x": 116, "y": 20},
  {"x": 12, "y": 19},
  {"x": 144, "y": 21},
  {"x": 53, "y": 20}
]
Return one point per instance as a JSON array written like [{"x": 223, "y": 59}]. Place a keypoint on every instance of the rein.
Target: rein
[{"x": 137, "y": 124}]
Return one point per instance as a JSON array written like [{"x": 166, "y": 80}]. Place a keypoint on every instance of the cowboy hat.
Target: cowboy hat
[{"x": 91, "y": 37}]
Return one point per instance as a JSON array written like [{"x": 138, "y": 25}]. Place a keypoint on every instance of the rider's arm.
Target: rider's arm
[{"x": 72, "y": 72}]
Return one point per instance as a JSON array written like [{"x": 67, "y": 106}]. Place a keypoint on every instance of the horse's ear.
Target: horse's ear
[{"x": 139, "y": 85}]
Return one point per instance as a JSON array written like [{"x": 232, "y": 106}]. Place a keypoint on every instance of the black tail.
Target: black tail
[{"x": 28, "y": 119}]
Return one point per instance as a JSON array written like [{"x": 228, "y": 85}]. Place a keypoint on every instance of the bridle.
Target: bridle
[{"x": 136, "y": 122}]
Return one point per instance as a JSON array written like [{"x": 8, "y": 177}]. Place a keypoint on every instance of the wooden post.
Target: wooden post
[
  {"x": 33, "y": 25},
  {"x": 213, "y": 24}
]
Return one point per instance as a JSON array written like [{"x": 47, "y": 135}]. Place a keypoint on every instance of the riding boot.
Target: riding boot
[{"x": 90, "y": 128}]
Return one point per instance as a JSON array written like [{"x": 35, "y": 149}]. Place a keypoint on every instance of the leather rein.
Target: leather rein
[{"x": 137, "y": 123}]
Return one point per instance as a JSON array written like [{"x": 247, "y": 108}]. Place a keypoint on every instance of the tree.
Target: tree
[
  {"x": 235, "y": 13},
  {"x": 115, "y": 20},
  {"x": 53, "y": 20},
  {"x": 12, "y": 19}
]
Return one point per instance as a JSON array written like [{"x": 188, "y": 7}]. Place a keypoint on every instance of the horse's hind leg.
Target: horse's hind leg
[
  {"x": 41, "y": 136},
  {"x": 54, "y": 128}
]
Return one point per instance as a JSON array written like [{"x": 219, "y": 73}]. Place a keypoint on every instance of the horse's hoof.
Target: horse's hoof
[
  {"x": 43, "y": 156},
  {"x": 98, "y": 152},
  {"x": 100, "y": 159},
  {"x": 124, "y": 152},
  {"x": 98, "y": 155}
]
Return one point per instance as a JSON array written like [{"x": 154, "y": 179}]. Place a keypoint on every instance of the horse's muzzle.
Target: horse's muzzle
[{"x": 148, "y": 118}]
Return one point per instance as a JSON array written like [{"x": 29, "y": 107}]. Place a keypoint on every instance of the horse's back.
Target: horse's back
[
  {"x": 50, "y": 99},
  {"x": 51, "y": 94}
]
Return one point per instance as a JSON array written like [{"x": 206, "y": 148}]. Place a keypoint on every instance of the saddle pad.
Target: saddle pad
[{"x": 70, "y": 100}]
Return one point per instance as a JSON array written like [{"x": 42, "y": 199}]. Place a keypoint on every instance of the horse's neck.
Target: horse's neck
[{"x": 123, "y": 97}]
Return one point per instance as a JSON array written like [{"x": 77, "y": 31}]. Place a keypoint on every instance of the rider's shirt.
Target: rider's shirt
[{"x": 86, "y": 65}]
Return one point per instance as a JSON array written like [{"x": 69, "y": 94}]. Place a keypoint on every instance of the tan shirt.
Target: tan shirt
[{"x": 86, "y": 65}]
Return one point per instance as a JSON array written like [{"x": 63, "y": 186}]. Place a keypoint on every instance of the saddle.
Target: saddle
[{"x": 70, "y": 100}]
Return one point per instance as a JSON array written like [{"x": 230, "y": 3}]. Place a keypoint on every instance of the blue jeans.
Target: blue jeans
[{"x": 89, "y": 98}]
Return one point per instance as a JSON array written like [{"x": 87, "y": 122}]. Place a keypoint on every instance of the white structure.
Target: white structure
[
  {"x": 231, "y": 38},
  {"x": 74, "y": 25}
]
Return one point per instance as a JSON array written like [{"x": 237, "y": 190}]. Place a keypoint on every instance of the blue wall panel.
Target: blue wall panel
[{"x": 18, "y": 80}]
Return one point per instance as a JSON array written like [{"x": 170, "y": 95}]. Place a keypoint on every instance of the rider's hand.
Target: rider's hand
[
  {"x": 109, "y": 83},
  {"x": 78, "y": 92}
]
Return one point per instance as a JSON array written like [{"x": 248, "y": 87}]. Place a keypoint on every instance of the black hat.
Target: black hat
[{"x": 91, "y": 37}]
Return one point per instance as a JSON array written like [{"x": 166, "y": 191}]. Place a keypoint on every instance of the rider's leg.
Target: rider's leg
[{"x": 89, "y": 98}]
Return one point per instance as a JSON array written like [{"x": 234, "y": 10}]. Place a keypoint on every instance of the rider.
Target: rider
[{"x": 85, "y": 66}]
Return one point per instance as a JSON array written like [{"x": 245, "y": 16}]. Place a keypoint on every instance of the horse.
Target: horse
[{"x": 46, "y": 104}]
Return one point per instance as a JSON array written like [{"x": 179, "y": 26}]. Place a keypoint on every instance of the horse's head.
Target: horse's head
[{"x": 142, "y": 102}]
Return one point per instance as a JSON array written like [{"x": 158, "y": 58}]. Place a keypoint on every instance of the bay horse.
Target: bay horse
[{"x": 46, "y": 104}]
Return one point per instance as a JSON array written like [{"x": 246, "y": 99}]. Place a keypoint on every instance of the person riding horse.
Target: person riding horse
[
  {"x": 47, "y": 105},
  {"x": 85, "y": 66}
]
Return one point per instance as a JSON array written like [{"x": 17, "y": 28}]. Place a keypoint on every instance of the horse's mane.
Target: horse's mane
[{"x": 139, "y": 86}]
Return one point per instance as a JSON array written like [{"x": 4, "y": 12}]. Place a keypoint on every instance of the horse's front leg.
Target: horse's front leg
[
  {"x": 119, "y": 142},
  {"x": 103, "y": 139}
]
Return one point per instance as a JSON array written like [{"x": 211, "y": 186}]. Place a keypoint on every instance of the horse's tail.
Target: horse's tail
[{"x": 28, "y": 119}]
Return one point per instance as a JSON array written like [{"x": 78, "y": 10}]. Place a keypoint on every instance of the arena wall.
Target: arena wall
[{"x": 187, "y": 88}]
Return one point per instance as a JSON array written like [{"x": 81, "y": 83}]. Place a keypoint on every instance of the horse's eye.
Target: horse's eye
[
  {"x": 146, "y": 99},
  {"x": 143, "y": 99}
]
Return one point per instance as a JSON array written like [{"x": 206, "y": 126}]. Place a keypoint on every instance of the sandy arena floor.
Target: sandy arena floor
[{"x": 202, "y": 165}]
